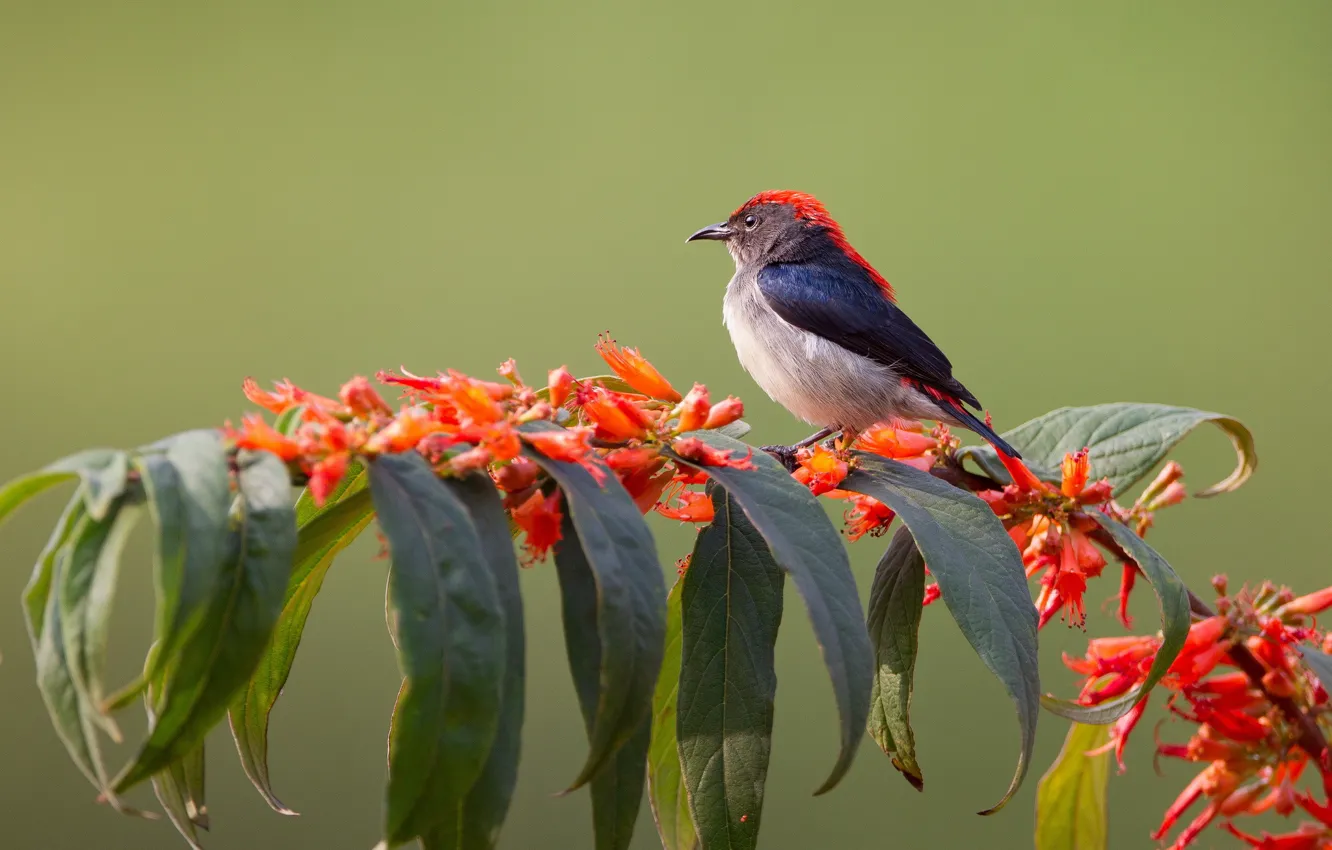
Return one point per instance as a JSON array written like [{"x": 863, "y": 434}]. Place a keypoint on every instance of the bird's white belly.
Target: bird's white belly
[{"x": 817, "y": 380}]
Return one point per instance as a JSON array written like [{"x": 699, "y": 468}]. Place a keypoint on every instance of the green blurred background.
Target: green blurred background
[{"x": 1079, "y": 202}]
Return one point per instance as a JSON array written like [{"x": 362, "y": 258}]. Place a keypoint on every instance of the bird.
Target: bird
[{"x": 820, "y": 331}]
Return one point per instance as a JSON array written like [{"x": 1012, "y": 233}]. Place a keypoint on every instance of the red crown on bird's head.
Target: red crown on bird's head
[{"x": 811, "y": 210}]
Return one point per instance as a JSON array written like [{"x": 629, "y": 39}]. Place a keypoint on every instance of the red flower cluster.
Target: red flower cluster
[
  {"x": 1246, "y": 737},
  {"x": 1054, "y": 533},
  {"x": 462, "y": 424}
]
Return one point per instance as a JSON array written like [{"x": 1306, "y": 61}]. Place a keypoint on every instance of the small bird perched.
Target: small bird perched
[{"x": 820, "y": 331}]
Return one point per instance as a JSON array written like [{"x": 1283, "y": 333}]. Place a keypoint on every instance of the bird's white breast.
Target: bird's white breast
[{"x": 817, "y": 380}]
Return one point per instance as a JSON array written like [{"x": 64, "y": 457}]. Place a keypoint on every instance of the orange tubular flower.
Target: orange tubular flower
[
  {"x": 1313, "y": 603},
  {"x": 896, "y": 443},
  {"x": 640, "y": 471},
  {"x": 820, "y": 470},
  {"x": 362, "y": 399},
  {"x": 724, "y": 412},
  {"x": 1075, "y": 467},
  {"x": 258, "y": 435},
  {"x": 695, "y": 450},
  {"x": 560, "y": 381},
  {"x": 866, "y": 515},
  {"x": 410, "y": 426},
  {"x": 693, "y": 507},
  {"x": 615, "y": 416},
  {"x": 694, "y": 410},
  {"x": 539, "y": 517},
  {"x": 1309, "y": 836},
  {"x": 287, "y": 396},
  {"x": 635, "y": 370},
  {"x": 509, "y": 371},
  {"x": 569, "y": 445}
]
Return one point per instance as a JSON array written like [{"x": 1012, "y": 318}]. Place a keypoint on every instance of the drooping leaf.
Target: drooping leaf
[
  {"x": 1070, "y": 798},
  {"x": 103, "y": 473},
  {"x": 1320, "y": 663},
  {"x": 896, "y": 602},
  {"x": 220, "y": 653},
  {"x": 1126, "y": 440},
  {"x": 85, "y": 595},
  {"x": 616, "y": 785},
  {"x": 71, "y": 715},
  {"x": 980, "y": 576},
  {"x": 666, "y": 788},
  {"x": 180, "y": 787},
  {"x": 478, "y": 820},
  {"x": 805, "y": 544},
  {"x": 630, "y": 602},
  {"x": 189, "y": 495},
  {"x": 1173, "y": 598},
  {"x": 731, "y": 607},
  {"x": 451, "y": 646},
  {"x": 323, "y": 535}
]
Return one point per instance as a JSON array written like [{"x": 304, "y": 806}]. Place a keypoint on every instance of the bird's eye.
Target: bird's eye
[{"x": 750, "y": 221}]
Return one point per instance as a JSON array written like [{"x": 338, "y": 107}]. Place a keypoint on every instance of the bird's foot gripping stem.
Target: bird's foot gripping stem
[{"x": 786, "y": 455}]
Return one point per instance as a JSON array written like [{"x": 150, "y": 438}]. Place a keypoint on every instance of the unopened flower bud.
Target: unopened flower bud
[
  {"x": 560, "y": 382},
  {"x": 1168, "y": 475},
  {"x": 725, "y": 412},
  {"x": 693, "y": 411}
]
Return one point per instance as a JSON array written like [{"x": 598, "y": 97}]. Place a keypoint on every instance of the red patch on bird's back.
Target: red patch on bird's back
[{"x": 810, "y": 209}]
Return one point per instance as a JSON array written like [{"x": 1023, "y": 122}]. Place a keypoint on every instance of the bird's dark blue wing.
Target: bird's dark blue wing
[{"x": 839, "y": 302}]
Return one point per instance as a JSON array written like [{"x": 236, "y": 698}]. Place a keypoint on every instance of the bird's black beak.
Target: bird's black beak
[{"x": 721, "y": 231}]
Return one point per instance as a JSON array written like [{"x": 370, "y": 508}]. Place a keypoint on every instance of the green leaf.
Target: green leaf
[
  {"x": 617, "y": 784},
  {"x": 353, "y": 481},
  {"x": 289, "y": 420},
  {"x": 451, "y": 646},
  {"x": 1173, "y": 598},
  {"x": 180, "y": 786},
  {"x": 806, "y": 545},
  {"x": 220, "y": 654},
  {"x": 896, "y": 601},
  {"x": 1126, "y": 440},
  {"x": 1070, "y": 799},
  {"x": 980, "y": 576},
  {"x": 71, "y": 714},
  {"x": 324, "y": 534},
  {"x": 20, "y": 490},
  {"x": 630, "y": 603},
  {"x": 104, "y": 473},
  {"x": 731, "y": 607},
  {"x": 189, "y": 494},
  {"x": 478, "y": 821},
  {"x": 666, "y": 788},
  {"x": 86, "y": 591},
  {"x": 1320, "y": 663}
]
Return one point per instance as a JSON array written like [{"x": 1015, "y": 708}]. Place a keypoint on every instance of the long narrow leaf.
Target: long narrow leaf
[
  {"x": 1070, "y": 799},
  {"x": 451, "y": 646},
  {"x": 322, "y": 537},
  {"x": 805, "y": 545},
  {"x": 617, "y": 784},
  {"x": 221, "y": 652},
  {"x": 479, "y": 819},
  {"x": 896, "y": 602},
  {"x": 980, "y": 576},
  {"x": 666, "y": 788},
  {"x": 85, "y": 594},
  {"x": 630, "y": 597},
  {"x": 731, "y": 607}
]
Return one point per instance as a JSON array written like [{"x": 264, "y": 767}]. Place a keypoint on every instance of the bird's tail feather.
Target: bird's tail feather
[{"x": 955, "y": 409}]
